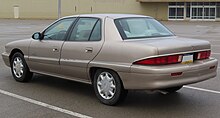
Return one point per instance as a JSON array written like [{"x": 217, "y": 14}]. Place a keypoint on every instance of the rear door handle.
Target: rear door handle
[
  {"x": 88, "y": 50},
  {"x": 55, "y": 50}
]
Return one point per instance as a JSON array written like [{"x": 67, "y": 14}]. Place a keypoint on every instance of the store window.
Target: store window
[
  {"x": 218, "y": 10},
  {"x": 188, "y": 9},
  {"x": 176, "y": 10},
  {"x": 203, "y": 10}
]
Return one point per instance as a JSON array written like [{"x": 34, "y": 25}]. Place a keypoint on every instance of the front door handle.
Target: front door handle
[{"x": 88, "y": 50}]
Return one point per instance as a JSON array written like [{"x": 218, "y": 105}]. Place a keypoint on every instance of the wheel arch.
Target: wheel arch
[
  {"x": 15, "y": 51},
  {"x": 92, "y": 71}
]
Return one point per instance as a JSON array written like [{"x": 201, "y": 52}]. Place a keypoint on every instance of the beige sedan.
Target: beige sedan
[{"x": 114, "y": 53}]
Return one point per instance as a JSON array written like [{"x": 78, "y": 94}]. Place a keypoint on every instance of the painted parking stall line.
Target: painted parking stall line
[
  {"x": 44, "y": 104},
  {"x": 202, "y": 89},
  {"x": 216, "y": 53}
]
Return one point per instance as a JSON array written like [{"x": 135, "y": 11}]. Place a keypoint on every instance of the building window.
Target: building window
[
  {"x": 176, "y": 10},
  {"x": 218, "y": 10},
  {"x": 180, "y": 13},
  {"x": 203, "y": 10},
  {"x": 194, "y": 10},
  {"x": 188, "y": 9},
  {"x": 172, "y": 13},
  {"x": 180, "y": 3}
]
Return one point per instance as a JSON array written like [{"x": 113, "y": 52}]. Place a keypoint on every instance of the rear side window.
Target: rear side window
[
  {"x": 86, "y": 29},
  {"x": 96, "y": 34}
]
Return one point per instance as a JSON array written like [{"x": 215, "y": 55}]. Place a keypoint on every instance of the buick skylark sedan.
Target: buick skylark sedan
[{"x": 113, "y": 52}]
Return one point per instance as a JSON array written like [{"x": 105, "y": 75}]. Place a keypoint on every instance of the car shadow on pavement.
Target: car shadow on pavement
[
  {"x": 180, "y": 101},
  {"x": 76, "y": 94},
  {"x": 141, "y": 98},
  {"x": 62, "y": 84},
  {"x": 133, "y": 99}
]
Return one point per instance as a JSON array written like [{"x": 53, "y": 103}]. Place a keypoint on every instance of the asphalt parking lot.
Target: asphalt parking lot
[{"x": 49, "y": 97}]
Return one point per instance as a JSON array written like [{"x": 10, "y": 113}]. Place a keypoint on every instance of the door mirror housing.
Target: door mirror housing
[{"x": 37, "y": 36}]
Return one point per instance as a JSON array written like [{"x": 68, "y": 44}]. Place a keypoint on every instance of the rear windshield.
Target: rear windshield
[{"x": 135, "y": 28}]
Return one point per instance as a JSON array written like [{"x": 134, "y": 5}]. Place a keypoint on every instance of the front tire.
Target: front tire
[
  {"x": 108, "y": 87},
  {"x": 19, "y": 68}
]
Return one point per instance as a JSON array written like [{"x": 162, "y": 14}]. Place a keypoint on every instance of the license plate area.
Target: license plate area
[{"x": 187, "y": 58}]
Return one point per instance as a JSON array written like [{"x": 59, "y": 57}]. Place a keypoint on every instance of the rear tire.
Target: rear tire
[
  {"x": 108, "y": 87},
  {"x": 172, "y": 89},
  {"x": 19, "y": 68}
]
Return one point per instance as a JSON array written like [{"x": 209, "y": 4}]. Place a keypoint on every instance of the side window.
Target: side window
[
  {"x": 96, "y": 33},
  {"x": 58, "y": 30},
  {"x": 83, "y": 29}
]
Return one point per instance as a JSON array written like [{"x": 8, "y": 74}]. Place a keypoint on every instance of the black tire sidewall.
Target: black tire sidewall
[
  {"x": 119, "y": 89},
  {"x": 24, "y": 77}
]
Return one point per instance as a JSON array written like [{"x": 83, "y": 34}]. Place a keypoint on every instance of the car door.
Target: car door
[
  {"x": 44, "y": 54},
  {"x": 84, "y": 43}
]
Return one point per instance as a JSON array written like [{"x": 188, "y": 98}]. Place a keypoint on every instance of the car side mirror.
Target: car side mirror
[{"x": 37, "y": 36}]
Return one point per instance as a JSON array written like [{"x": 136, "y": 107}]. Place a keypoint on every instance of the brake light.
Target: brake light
[
  {"x": 172, "y": 59},
  {"x": 203, "y": 55}
]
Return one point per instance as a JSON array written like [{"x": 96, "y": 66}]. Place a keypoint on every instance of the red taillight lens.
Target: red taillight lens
[
  {"x": 172, "y": 59},
  {"x": 203, "y": 55}
]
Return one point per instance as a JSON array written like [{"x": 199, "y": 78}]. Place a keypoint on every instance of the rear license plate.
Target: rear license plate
[{"x": 187, "y": 58}]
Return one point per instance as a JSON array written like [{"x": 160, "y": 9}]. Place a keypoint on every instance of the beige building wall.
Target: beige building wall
[
  {"x": 48, "y": 9},
  {"x": 156, "y": 10},
  {"x": 29, "y": 8},
  {"x": 178, "y": 0}
]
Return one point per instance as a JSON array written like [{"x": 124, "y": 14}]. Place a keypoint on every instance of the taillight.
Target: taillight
[
  {"x": 172, "y": 59},
  {"x": 203, "y": 55}
]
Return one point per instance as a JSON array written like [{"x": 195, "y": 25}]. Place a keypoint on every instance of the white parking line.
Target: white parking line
[
  {"x": 201, "y": 89},
  {"x": 216, "y": 53},
  {"x": 216, "y": 45},
  {"x": 44, "y": 104},
  {"x": 213, "y": 40}
]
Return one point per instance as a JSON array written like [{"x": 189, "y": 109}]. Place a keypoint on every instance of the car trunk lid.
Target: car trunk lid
[{"x": 169, "y": 45}]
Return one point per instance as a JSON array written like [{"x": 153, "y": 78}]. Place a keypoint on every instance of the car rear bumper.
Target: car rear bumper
[
  {"x": 159, "y": 77},
  {"x": 5, "y": 58}
]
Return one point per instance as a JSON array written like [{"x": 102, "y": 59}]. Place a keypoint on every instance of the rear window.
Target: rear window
[{"x": 135, "y": 28}]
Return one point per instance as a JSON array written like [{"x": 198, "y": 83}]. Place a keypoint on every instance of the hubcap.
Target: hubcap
[
  {"x": 106, "y": 85},
  {"x": 18, "y": 67}
]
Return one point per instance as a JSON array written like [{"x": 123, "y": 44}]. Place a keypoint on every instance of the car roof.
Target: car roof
[{"x": 113, "y": 16}]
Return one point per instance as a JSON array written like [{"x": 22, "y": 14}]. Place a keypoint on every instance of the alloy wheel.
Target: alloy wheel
[
  {"x": 106, "y": 85},
  {"x": 18, "y": 67}
]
